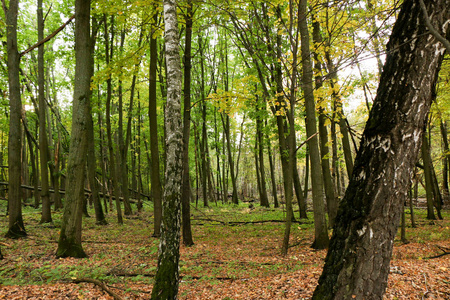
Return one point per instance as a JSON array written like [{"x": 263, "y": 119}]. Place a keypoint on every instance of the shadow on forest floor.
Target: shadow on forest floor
[{"x": 235, "y": 256}]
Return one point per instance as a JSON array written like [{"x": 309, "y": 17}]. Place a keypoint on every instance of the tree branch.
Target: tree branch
[
  {"x": 49, "y": 37},
  {"x": 100, "y": 284},
  {"x": 307, "y": 140},
  {"x": 432, "y": 30}
]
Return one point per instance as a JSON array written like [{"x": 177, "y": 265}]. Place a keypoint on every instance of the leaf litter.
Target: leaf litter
[{"x": 240, "y": 261}]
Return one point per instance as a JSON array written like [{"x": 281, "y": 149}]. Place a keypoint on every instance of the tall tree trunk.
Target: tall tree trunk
[
  {"x": 286, "y": 144},
  {"x": 56, "y": 184},
  {"x": 416, "y": 195},
  {"x": 103, "y": 155},
  {"x": 445, "y": 159},
  {"x": 257, "y": 170},
  {"x": 204, "y": 138},
  {"x": 436, "y": 191},
  {"x": 167, "y": 274},
  {"x": 335, "y": 169},
  {"x": 226, "y": 126},
  {"x": 136, "y": 183},
  {"x": 343, "y": 128},
  {"x": 25, "y": 170},
  {"x": 330, "y": 195},
  {"x": 299, "y": 191},
  {"x": 122, "y": 157},
  {"x": 307, "y": 171},
  {"x": 357, "y": 263},
  {"x": 427, "y": 166},
  {"x": 186, "y": 186},
  {"x": 320, "y": 223},
  {"x": 227, "y": 129},
  {"x": 91, "y": 160},
  {"x": 112, "y": 161},
  {"x": 220, "y": 190},
  {"x": 46, "y": 216},
  {"x": 339, "y": 111},
  {"x": 92, "y": 167},
  {"x": 16, "y": 228},
  {"x": 272, "y": 174},
  {"x": 154, "y": 145},
  {"x": 264, "y": 200},
  {"x": 33, "y": 162},
  {"x": 69, "y": 244}
]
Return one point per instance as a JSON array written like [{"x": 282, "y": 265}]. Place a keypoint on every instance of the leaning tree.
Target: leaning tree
[{"x": 357, "y": 263}]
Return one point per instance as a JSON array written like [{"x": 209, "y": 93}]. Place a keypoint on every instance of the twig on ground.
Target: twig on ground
[
  {"x": 123, "y": 289},
  {"x": 100, "y": 284},
  {"x": 444, "y": 250}
]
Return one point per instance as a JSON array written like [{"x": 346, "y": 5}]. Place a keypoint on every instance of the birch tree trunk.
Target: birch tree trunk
[
  {"x": 357, "y": 263},
  {"x": 167, "y": 274}
]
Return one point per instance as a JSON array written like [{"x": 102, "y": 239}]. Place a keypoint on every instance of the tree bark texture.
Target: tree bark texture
[
  {"x": 320, "y": 223},
  {"x": 122, "y": 169},
  {"x": 330, "y": 194},
  {"x": 167, "y": 274},
  {"x": 186, "y": 188},
  {"x": 357, "y": 263},
  {"x": 445, "y": 159},
  {"x": 154, "y": 145},
  {"x": 264, "y": 200},
  {"x": 91, "y": 159},
  {"x": 46, "y": 216},
  {"x": 272, "y": 174},
  {"x": 427, "y": 166},
  {"x": 112, "y": 163},
  {"x": 16, "y": 226},
  {"x": 69, "y": 244}
]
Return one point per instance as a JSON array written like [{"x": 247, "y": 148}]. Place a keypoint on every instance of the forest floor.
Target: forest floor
[{"x": 234, "y": 257}]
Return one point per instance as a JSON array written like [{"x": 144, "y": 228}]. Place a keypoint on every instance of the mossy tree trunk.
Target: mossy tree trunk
[
  {"x": 167, "y": 274},
  {"x": 69, "y": 244},
  {"x": 357, "y": 263}
]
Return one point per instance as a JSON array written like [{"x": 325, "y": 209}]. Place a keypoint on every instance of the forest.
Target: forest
[{"x": 216, "y": 149}]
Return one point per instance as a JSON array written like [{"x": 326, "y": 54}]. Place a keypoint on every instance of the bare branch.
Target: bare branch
[
  {"x": 49, "y": 37},
  {"x": 100, "y": 284},
  {"x": 432, "y": 30}
]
